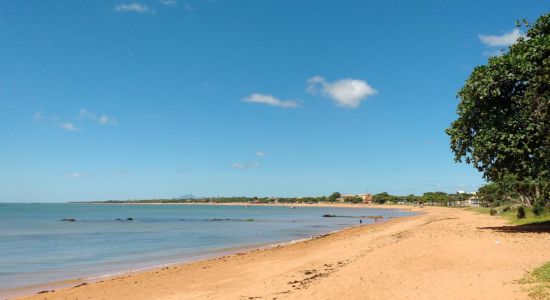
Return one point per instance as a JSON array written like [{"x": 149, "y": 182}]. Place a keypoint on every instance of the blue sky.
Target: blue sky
[{"x": 161, "y": 98}]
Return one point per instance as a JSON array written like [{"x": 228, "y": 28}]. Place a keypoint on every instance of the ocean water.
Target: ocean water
[{"x": 36, "y": 247}]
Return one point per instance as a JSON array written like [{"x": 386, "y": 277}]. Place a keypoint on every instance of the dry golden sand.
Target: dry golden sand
[{"x": 441, "y": 254}]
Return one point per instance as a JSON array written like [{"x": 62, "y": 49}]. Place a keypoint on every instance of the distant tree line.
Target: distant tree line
[{"x": 434, "y": 198}]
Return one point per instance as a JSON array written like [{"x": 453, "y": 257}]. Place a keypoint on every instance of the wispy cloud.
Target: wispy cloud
[
  {"x": 38, "y": 117},
  {"x": 260, "y": 154},
  {"x": 68, "y": 126},
  {"x": 493, "y": 53},
  {"x": 271, "y": 101},
  {"x": 347, "y": 92},
  {"x": 504, "y": 40},
  {"x": 78, "y": 174},
  {"x": 246, "y": 166},
  {"x": 105, "y": 120},
  {"x": 169, "y": 2},
  {"x": 100, "y": 119},
  {"x": 44, "y": 119},
  {"x": 52, "y": 120},
  {"x": 133, "y": 7},
  {"x": 239, "y": 166}
]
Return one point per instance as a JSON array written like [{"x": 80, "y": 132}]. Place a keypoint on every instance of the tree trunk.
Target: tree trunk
[{"x": 525, "y": 200}]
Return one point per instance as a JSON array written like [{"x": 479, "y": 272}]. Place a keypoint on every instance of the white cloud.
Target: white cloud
[
  {"x": 169, "y": 2},
  {"x": 133, "y": 7},
  {"x": 100, "y": 119},
  {"x": 246, "y": 166},
  {"x": 345, "y": 92},
  {"x": 504, "y": 40},
  {"x": 271, "y": 101},
  {"x": 260, "y": 154},
  {"x": 105, "y": 120},
  {"x": 68, "y": 126}
]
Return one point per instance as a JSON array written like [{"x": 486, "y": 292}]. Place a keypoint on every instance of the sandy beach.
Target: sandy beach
[{"x": 441, "y": 253}]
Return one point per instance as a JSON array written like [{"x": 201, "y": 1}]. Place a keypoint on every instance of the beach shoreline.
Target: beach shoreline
[
  {"x": 25, "y": 291},
  {"x": 440, "y": 253},
  {"x": 13, "y": 293}
]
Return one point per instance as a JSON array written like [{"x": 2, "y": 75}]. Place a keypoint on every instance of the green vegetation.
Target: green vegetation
[
  {"x": 503, "y": 122},
  {"x": 538, "y": 208},
  {"x": 429, "y": 198},
  {"x": 259, "y": 200},
  {"x": 539, "y": 281},
  {"x": 510, "y": 189},
  {"x": 510, "y": 214},
  {"x": 353, "y": 200},
  {"x": 521, "y": 212},
  {"x": 334, "y": 197}
]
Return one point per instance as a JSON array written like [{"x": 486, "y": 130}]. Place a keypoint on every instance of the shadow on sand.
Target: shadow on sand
[{"x": 542, "y": 227}]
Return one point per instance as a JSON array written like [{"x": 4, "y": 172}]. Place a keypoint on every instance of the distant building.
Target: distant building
[
  {"x": 366, "y": 198},
  {"x": 473, "y": 200}
]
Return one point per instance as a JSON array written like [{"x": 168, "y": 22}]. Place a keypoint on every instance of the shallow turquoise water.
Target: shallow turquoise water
[{"x": 36, "y": 247}]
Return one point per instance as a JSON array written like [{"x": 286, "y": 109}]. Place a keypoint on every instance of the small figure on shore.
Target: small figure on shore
[{"x": 360, "y": 221}]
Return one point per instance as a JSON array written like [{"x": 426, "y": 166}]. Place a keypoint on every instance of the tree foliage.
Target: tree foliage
[
  {"x": 334, "y": 196},
  {"x": 503, "y": 120},
  {"x": 382, "y": 198}
]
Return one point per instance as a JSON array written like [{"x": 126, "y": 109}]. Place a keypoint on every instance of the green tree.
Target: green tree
[
  {"x": 503, "y": 119},
  {"x": 382, "y": 198},
  {"x": 511, "y": 189},
  {"x": 490, "y": 194},
  {"x": 438, "y": 197},
  {"x": 334, "y": 196},
  {"x": 411, "y": 198}
]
